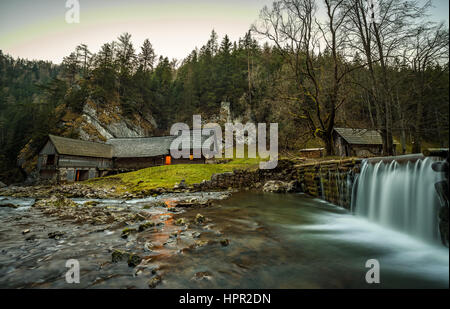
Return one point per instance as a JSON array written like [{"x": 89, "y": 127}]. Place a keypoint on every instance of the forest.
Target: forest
[{"x": 306, "y": 73}]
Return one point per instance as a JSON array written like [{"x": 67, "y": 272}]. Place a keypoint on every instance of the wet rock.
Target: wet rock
[
  {"x": 202, "y": 275},
  {"x": 118, "y": 255},
  {"x": 91, "y": 203},
  {"x": 55, "y": 235},
  {"x": 199, "y": 219},
  {"x": 9, "y": 205},
  {"x": 154, "y": 281},
  {"x": 57, "y": 200},
  {"x": 181, "y": 185},
  {"x": 145, "y": 226},
  {"x": 224, "y": 242},
  {"x": 278, "y": 186},
  {"x": 148, "y": 246},
  {"x": 180, "y": 221},
  {"x": 134, "y": 260},
  {"x": 200, "y": 243},
  {"x": 127, "y": 231},
  {"x": 139, "y": 217}
]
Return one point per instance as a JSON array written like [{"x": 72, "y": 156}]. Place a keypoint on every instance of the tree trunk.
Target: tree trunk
[{"x": 329, "y": 144}]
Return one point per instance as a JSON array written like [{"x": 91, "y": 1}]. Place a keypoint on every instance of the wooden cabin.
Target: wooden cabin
[
  {"x": 141, "y": 152},
  {"x": 350, "y": 142},
  {"x": 65, "y": 159}
]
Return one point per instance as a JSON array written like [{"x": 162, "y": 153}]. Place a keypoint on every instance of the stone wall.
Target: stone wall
[
  {"x": 249, "y": 179},
  {"x": 329, "y": 180}
]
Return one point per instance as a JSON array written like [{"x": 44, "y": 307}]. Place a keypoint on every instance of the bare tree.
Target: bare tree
[
  {"x": 291, "y": 25},
  {"x": 381, "y": 39},
  {"x": 428, "y": 48}
]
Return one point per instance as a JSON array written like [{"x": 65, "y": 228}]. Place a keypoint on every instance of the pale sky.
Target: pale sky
[{"x": 37, "y": 29}]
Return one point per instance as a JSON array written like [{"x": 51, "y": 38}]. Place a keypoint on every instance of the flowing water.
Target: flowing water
[
  {"x": 400, "y": 196},
  {"x": 275, "y": 241}
]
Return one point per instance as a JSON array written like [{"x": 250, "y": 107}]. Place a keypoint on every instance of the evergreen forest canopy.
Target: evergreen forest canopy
[{"x": 308, "y": 75}]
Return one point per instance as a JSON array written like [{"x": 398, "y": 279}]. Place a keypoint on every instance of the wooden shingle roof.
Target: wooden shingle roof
[
  {"x": 140, "y": 147},
  {"x": 360, "y": 136},
  {"x": 75, "y": 147}
]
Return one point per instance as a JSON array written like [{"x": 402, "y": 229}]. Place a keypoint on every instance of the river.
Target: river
[{"x": 274, "y": 241}]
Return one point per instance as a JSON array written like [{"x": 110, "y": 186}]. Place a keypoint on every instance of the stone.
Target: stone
[
  {"x": 127, "y": 231},
  {"x": 55, "y": 235},
  {"x": 25, "y": 231},
  {"x": 199, "y": 219},
  {"x": 119, "y": 255},
  {"x": 181, "y": 185},
  {"x": 180, "y": 221},
  {"x": 278, "y": 186},
  {"x": 2, "y": 185},
  {"x": 224, "y": 242},
  {"x": 154, "y": 281},
  {"x": 134, "y": 260},
  {"x": 90, "y": 203},
  {"x": 9, "y": 205},
  {"x": 145, "y": 226},
  {"x": 202, "y": 275}
]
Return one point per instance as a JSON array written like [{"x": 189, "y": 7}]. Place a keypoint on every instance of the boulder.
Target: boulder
[
  {"x": 181, "y": 185},
  {"x": 134, "y": 260},
  {"x": 199, "y": 219},
  {"x": 154, "y": 282},
  {"x": 278, "y": 186},
  {"x": 9, "y": 205},
  {"x": 56, "y": 200},
  {"x": 2, "y": 185}
]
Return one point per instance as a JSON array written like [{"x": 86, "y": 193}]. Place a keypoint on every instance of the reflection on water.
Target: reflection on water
[
  {"x": 275, "y": 241},
  {"x": 293, "y": 241}
]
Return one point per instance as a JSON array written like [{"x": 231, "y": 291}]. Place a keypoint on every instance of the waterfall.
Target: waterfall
[{"x": 401, "y": 196}]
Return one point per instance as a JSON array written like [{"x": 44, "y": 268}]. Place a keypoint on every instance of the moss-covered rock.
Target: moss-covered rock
[
  {"x": 145, "y": 226},
  {"x": 128, "y": 231},
  {"x": 134, "y": 260},
  {"x": 180, "y": 222},
  {"x": 154, "y": 281},
  {"x": 119, "y": 255},
  {"x": 199, "y": 219}
]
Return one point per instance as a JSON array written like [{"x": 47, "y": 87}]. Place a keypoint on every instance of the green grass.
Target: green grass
[{"x": 167, "y": 176}]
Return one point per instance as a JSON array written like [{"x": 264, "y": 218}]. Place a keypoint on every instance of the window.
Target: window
[{"x": 51, "y": 160}]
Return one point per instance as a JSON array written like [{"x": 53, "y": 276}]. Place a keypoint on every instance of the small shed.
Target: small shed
[
  {"x": 67, "y": 159},
  {"x": 358, "y": 142},
  {"x": 312, "y": 152}
]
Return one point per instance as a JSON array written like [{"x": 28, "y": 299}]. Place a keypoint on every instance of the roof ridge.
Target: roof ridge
[{"x": 78, "y": 140}]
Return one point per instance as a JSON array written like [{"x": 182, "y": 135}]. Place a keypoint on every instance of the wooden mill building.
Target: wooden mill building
[
  {"x": 358, "y": 142},
  {"x": 66, "y": 160}
]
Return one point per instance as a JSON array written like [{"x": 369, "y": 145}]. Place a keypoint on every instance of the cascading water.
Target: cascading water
[{"x": 399, "y": 195}]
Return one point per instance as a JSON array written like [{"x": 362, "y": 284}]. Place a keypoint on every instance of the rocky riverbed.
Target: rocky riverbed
[
  {"x": 206, "y": 240},
  {"x": 111, "y": 238}
]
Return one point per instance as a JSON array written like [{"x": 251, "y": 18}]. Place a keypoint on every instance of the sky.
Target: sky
[{"x": 38, "y": 29}]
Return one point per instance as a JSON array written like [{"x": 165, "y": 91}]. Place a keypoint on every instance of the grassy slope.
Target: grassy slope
[{"x": 167, "y": 175}]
